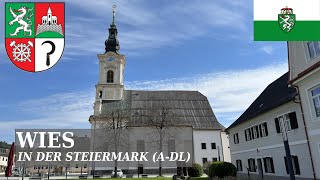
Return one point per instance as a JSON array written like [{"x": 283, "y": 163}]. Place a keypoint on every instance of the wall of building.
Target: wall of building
[
  {"x": 182, "y": 137},
  {"x": 299, "y": 58},
  {"x": 207, "y": 137},
  {"x": 272, "y": 145},
  {"x": 225, "y": 147},
  {"x": 312, "y": 122}
]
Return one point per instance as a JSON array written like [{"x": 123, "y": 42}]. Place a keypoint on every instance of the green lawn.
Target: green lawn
[
  {"x": 199, "y": 178},
  {"x": 155, "y": 178}
]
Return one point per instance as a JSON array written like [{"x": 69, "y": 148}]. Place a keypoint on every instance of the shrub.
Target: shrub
[
  {"x": 222, "y": 169},
  {"x": 195, "y": 171},
  {"x": 231, "y": 170},
  {"x": 206, "y": 167}
]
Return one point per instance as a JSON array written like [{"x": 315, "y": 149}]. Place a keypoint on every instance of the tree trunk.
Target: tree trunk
[
  {"x": 160, "y": 162},
  {"x": 116, "y": 149}
]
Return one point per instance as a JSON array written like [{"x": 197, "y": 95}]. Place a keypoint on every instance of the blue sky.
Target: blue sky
[{"x": 204, "y": 45}]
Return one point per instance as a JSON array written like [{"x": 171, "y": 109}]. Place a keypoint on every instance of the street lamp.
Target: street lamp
[{"x": 286, "y": 146}]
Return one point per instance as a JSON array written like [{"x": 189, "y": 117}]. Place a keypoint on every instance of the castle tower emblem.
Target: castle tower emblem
[{"x": 49, "y": 23}]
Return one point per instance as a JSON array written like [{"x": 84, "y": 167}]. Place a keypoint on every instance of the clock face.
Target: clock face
[{"x": 111, "y": 58}]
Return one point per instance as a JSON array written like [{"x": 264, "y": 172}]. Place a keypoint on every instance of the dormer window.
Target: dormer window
[{"x": 110, "y": 76}]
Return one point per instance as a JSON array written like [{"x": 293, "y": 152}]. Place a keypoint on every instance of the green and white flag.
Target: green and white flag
[{"x": 286, "y": 20}]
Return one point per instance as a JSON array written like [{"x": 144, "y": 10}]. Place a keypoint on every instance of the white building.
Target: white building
[
  {"x": 3, "y": 159},
  {"x": 256, "y": 142},
  {"x": 197, "y": 125},
  {"x": 304, "y": 74}
]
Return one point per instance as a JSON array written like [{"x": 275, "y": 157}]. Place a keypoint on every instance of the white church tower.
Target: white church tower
[{"x": 111, "y": 70}]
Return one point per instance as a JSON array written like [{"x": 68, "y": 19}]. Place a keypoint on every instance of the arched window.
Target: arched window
[{"x": 110, "y": 76}]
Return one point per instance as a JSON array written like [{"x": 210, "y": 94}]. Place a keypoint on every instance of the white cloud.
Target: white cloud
[
  {"x": 267, "y": 49},
  {"x": 145, "y": 26},
  {"x": 64, "y": 110},
  {"x": 229, "y": 93}
]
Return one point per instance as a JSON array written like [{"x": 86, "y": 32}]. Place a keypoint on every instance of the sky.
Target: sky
[{"x": 203, "y": 45}]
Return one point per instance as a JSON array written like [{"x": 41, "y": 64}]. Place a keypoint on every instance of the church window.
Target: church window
[{"x": 110, "y": 75}]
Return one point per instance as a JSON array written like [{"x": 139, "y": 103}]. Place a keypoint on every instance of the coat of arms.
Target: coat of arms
[
  {"x": 34, "y": 33},
  {"x": 286, "y": 19}
]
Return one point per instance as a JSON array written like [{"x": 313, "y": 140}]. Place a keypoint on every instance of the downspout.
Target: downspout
[
  {"x": 305, "y": 130},
  {"x": 303, "y": 118}
]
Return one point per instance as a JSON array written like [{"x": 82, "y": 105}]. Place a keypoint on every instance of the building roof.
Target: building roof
[
  {"x": 190, "y": 108},
  {"x": 276, "y": 94}
]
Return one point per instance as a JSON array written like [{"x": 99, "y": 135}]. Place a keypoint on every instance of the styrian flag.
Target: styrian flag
[{"x": 286, "y": 20}]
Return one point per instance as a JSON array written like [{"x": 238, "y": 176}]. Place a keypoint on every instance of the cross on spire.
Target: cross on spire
[{"x": 114, "y": 13}]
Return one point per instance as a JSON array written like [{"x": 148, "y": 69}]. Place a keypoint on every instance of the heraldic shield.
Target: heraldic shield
[
  {"x": 34, "y": 34},
  {"x": 286, "y": 19}
]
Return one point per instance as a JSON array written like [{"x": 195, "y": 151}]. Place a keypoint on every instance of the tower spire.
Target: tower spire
[{"x": 112, "y": 43}]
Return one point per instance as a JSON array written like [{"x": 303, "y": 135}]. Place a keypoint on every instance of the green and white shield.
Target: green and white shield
[{"x": 286, "y": 21}]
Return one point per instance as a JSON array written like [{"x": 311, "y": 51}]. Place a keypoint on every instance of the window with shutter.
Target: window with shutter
[
  {"x": 265, "y": 164},
  {"x": 239, "y": 165},
  {"x": 286, "y": 122},
  {"x": 286, "y": 164},
  {"x": 250, "y": 134},
  {"x": 272, "y": 165},
  {"x": 266, "y": 128},
  {"x": 268, "y": 165},
  {"x": 252, "y": 165},
  {"x": 276, "y": 121},
  {"x": 257, "y": 131},
  {"x": 254, "y": 132},
  {"x": 295, "y": 164},
  {"x": 260, "y": 130},
  {"x": 237, "y": 138},
  {"x": 245, "y": 133},
  {"x": 293, "y": 120}
]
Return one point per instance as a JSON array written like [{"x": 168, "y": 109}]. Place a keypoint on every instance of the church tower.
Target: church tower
[{"x": 111, "y": 70}]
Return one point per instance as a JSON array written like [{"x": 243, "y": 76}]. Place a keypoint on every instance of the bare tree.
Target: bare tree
[
  {"x": 113, "y": 133},
  {"x": 161, "y": 119}
]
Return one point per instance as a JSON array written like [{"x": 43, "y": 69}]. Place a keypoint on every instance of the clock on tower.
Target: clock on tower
[{"x": 111, "y": 69}]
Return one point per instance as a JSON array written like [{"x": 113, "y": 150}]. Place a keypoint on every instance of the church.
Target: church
[{"x": 187, "y": 115}]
